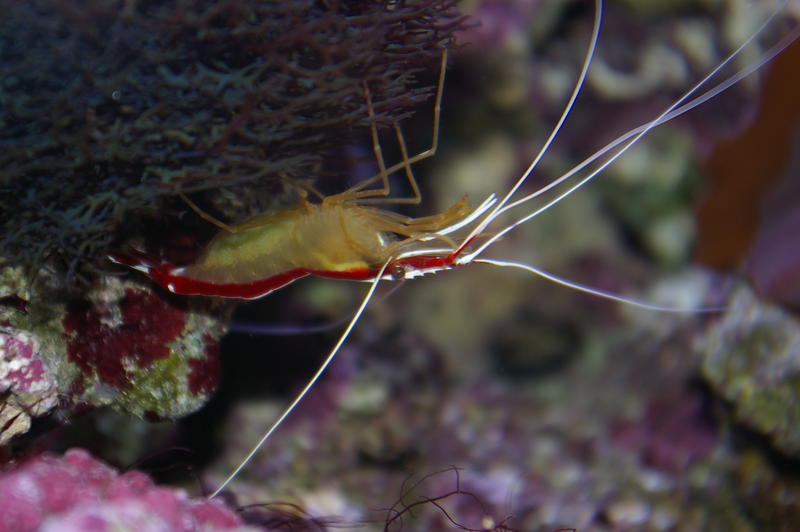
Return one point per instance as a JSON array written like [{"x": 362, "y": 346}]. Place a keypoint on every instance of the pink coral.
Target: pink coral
[{"x": 78, "y": 493}]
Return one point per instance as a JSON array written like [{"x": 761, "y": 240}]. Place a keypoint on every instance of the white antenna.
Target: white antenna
[
  {"x": 587, "y": 61},
  {"x": 642, "y": 132},
  {"x": 593, "y": 291},
  {"x": 308, "y": 385}
]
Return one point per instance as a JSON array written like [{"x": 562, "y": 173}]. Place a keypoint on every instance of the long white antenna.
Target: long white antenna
[
  {"x": 768, "y": 56},
  {"x": 587, "y": 61},
  {"x": 308, "y": 385},
  {"x": 593, "y": 291},
  {"x": 649, "y": 126}
]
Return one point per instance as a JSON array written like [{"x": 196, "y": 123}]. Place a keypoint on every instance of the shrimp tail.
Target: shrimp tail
[
  {"x": 158, "y": 270},
  {"x": 139, "y": 260},
  {"x": 175, "y": 279}
]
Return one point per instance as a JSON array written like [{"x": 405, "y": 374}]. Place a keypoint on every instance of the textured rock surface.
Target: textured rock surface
[
  {"x": 752, "y": 360},
  {"x": 77, "y": 493},
  {"x": 122, "y": 344}
]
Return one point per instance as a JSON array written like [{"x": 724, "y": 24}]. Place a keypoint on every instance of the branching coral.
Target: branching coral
[{"x": 108, "y": 106}]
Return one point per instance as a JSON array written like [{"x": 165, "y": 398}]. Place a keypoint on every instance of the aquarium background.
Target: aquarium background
[{"x": 480, "y": 398}]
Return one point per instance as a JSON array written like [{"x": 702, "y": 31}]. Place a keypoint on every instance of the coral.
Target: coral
[
  {"x": 751, "y": 358},
  {"x": 145, "y": 328},
  {"x": 536, "y": 456},
  {"x": 122, "y": 344},
  {"x": 652, "y": 191},
  {"x": 76, "y": 492},
  {"x": 28, "y": 389},
  {"x": 114, "y": 106}
]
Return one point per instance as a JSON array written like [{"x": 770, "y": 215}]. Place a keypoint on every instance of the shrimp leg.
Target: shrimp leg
[{"x": 357, "y": 190}]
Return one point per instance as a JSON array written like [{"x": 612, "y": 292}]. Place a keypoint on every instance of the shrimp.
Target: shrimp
[
  {"x": 364, "y": 246},
  {"x": 342, "y": 237}
]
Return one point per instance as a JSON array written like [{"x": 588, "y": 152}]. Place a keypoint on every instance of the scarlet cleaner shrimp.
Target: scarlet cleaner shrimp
[{"x": 413, "y": 256}]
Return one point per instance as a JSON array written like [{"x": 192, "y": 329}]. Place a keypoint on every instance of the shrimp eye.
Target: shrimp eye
[{"x": 398, "y": 272}]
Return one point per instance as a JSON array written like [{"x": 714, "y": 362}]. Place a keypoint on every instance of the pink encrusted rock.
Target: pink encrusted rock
[
  {"x": 141, "y": 350},
  {"x": 28, "y": 388},
  {"x": 21, "y": 371},
  {"x": 78, "y": 493}
]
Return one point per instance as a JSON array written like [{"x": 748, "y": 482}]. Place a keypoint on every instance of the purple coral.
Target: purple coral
[{"x": 78, "y": 493}]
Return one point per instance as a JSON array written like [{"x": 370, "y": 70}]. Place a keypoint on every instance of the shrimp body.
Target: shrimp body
[
  {"x": 338, "y": 238},
  {"x": 342, "y": 237}
]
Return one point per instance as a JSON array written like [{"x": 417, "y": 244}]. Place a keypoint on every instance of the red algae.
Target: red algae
[
  {"x": 204, "y": 372},
  {"x": 148, "y": 325},
  {"x": 121, "y": 344}
]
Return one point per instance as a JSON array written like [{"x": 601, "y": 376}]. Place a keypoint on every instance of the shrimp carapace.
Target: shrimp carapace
[
  {"x": 336, "y": 239},
  {"x": 342, "y": 237}
]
